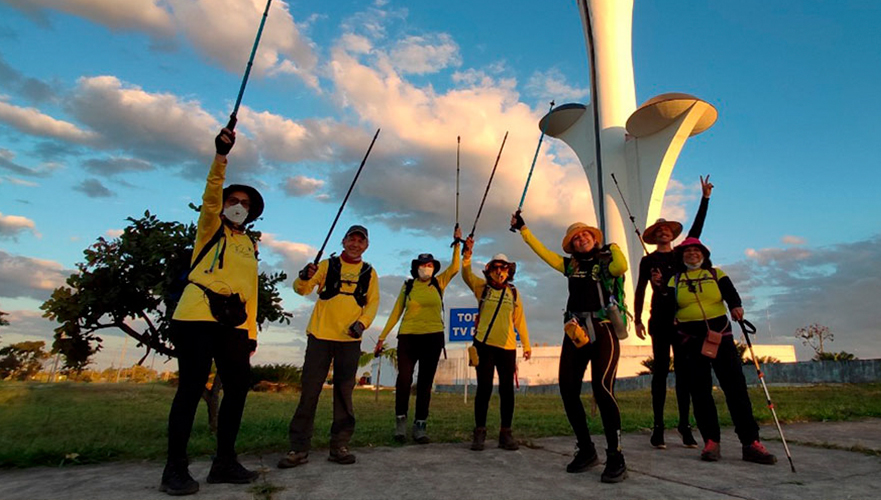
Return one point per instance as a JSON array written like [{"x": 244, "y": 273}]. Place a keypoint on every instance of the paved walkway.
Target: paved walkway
[{"x": 834, "y": 460}]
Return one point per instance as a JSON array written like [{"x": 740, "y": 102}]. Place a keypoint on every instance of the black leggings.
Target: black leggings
[
  {"x": 424, "y": 349},
  {"x": 664, "y": 336},
  {"x": 604, "y": 354},
  {"x": 490, "y": 359},
  {"x": 196, "y": 344},
  {"x": 729, "y": 371}
]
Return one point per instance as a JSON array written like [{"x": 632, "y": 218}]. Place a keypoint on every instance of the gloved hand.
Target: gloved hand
[
  {"x": 356, "y": 330},
  {"x": 224, "y": 141},
  {"x": 517, "y": 222},
  {"x": 605, "y": 252},
  {"x": 308, "y": 271}
]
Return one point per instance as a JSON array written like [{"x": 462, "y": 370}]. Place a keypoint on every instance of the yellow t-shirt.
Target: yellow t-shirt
[
  {"x": 332, "y": 318},
  {"x": 423, "y": 308},
  {"x": 510, "y": 313},
  {"x": 239, "y": 271},
  {"x": 698, "y": 285}
]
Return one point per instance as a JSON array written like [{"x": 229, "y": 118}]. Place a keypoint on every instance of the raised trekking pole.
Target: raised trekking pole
[
  {"x": 456, "y": 240},
  {"x": 748, "y": 329},
  {"x": 233, "y": 117},
  {"x": 488, "y": 184},
  {"x": 335, "y": 219},
  {"x": 632, "y": 219},
  {"x": 534, "y": 158}
]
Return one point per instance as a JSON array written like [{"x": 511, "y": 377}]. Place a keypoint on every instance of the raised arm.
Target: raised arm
[
  {"x": 698, "y": 225},
  {"x": 554, "y": 260},
  {"x": 445, "y": 277}
]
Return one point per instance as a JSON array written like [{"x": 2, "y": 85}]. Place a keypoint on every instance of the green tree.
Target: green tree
[
  {"x": 129, "y": 278},
  {"x": 834, "y": 356},
  {"x": 3, "y": 321},
  {"x": 23, "y": 360}
]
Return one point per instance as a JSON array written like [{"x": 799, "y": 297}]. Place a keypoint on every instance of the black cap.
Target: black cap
[{"x": 358, "y": 229}]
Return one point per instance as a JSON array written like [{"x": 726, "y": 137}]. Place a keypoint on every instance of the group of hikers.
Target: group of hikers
[{"x": 216, "y": 320}]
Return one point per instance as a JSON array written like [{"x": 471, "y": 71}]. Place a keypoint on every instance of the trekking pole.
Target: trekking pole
[
  {"x": 488, "y": 184},
  {"x": 335, "y": 219},
  {"x": 233, "y": 119},
  {"x": 632, "y": 219},
  {"x": 748, "y": 329},
  {"x": 378, "y": 375},
  {"x": 456, "y": 240},
  {"x": 534, "y": 158}
]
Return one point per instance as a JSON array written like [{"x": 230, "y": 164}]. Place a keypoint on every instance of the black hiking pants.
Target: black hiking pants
[
  {"x": 490, "y": 360},
  {"x": 664, "y": 337},
  {"x": 424, "y": 349},
  {"x": 197, "y": 343}
]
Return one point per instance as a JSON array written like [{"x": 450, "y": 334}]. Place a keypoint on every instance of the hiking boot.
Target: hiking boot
[
  {"x": 688, "y": 440},
  {"x": 657, "y": 439},
  {"x": 616, "y": 470},
  {"x": 477, "y": 442},
  {"x": 419, "y": 434},
  {"x": 756, "y": 452},
  {"x": 229, "y": 470},
  {"x": 293, "y": 459},
  {"x": 401, "y": 428},
  {"x": 712, "y": 451},
  {"x": 341, "y": 456},
  {"x": 506, "y": 440},
  {"x": 176, "y": 479},
  {"x": 585, "y": 458}
]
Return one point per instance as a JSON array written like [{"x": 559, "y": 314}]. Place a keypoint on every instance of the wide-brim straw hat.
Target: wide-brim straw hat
[
  {"x": 649, "y": 234},
  {"x": 577, "y": 228},
  {"x": 256, "y": 209}
]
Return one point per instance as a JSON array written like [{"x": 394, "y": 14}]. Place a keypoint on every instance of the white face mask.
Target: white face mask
[
  {"x": 697, "y": 265},
  {"x": 425, "y": 272},
  {"x": 235, "y": 213}
]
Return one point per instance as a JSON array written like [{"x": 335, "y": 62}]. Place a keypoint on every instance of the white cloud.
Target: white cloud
[
  {"x": 32, "y": 121},
  {"x": 141, "y": 15},
  {"x": 677, "y": 198},
  {"x": 28, "y": 277},
  {"x": 302, "y": 186},
  {"x": 294, "y": 255},
  {"x": 425, "y": 54},
  {"x": 114, "y": 233},
  {"x": 793, "y": 240},
  {"x": 12, "y": 225},
  {"x": 552, "y": 85}
]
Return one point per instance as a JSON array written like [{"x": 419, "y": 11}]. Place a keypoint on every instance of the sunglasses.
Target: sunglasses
[{"x": 232, "y": 200}]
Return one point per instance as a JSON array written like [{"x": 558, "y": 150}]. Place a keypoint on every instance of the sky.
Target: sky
[{"x": 109, "y": 109}]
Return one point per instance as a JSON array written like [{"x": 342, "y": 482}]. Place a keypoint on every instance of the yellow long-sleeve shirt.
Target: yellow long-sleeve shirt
[
  {"x": 239, "y": 271},
  {"x": 332, "y": 318},
  {"x": 423, "y": 309},
  {"x": 510, "y": 314},
  {"x": 617, "y": 267}
]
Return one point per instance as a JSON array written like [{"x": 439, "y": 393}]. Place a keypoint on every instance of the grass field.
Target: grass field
[{"x": 56, "y": 424}]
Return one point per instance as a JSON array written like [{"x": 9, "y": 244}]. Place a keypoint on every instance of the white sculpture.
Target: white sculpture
[{"x": 639, "y": 146}]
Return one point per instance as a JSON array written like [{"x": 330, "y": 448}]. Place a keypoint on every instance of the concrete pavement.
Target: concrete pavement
[{"x": 834, "y": 460}]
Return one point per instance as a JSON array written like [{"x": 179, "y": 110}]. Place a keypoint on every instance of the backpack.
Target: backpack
[
  {"x": 179, "y": 266},
  {"x": 333, "y": 282},
  {"x": 408, "y": 287}
]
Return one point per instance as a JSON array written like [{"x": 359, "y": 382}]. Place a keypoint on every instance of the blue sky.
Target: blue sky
[{"x": 108, "y": 112}]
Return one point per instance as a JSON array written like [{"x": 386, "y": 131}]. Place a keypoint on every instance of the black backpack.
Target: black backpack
[
  {"x": 333, "y": 282},
  {"x": 180, "y": 265}
]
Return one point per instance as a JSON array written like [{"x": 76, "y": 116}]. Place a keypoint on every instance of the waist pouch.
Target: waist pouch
[
  {"x": 228, "y": 310},
  {"x": 581, "y": 330},
  {"x": 710, "y": 348},
  {"x": 473, "y": 359}
]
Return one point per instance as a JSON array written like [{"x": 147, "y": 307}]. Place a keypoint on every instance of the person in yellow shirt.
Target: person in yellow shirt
[
  {"x": 500, "y": 311},
  {"x": 348, "y": 298},
  {"x": 420, "y": 337},
  {"x": 593, "y": 273},
  {"x": 224, "y": 263}
]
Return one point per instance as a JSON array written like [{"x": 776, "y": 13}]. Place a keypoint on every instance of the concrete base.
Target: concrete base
[{"x": 537, "y": 470}]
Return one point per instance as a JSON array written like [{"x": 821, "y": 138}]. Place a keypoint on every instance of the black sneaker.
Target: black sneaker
[
  {"x": 585, "y": 458},
  {"x": 688, "y": 440},
  {"x": 341, "y": 456},
  {"x": 616, "y": 470},
  {"x": 229, "y": 470},
  {"x": 657, "y": 438},
  {"x": 757, "y": 453},
  {"x": 479, "y": 439},
  {"x": 176, "y": 479}
]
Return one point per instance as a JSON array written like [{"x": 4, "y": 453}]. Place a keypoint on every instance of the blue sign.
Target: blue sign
[{"x": 462, "y": 324}]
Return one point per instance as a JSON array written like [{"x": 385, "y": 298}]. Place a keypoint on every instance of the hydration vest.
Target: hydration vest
[{"x": 333, "y": 282}]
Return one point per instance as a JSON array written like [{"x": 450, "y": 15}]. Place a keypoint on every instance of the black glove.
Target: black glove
[
  {"x": 518, "y": 221},
  {"x": 252, "y": 344},
  {"x": 222, "y": 147},
  {"x": 356, "y": 330},
  {"x": 605, "y": 252},
  {"x": 307, "y": 272}
]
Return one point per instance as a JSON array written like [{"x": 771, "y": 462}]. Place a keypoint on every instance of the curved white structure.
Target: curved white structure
[{"x": 639, "y": 146}]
